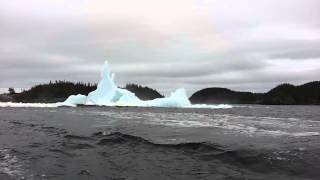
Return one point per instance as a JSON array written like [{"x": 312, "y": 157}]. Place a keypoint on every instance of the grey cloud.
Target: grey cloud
[
  {"x": 310, "y": 51},
  {"x": 197, "y": 68},
  {"x": 36, "y": 49}
]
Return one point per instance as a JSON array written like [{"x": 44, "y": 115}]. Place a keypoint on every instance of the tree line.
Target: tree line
[{"x": 58, "y": 91}]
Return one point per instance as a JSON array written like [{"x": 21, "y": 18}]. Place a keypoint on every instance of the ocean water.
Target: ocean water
[{"x": 243, "y": 142}]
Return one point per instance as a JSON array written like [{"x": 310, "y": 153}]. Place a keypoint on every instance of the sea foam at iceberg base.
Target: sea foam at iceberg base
[{"x": 108, "y": 94}]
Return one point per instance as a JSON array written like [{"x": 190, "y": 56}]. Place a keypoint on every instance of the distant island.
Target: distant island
[{"x": 284, "y": 94}]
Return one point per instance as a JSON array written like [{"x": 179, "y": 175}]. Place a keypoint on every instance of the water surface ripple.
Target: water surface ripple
[{"x": 243, "y": 142}]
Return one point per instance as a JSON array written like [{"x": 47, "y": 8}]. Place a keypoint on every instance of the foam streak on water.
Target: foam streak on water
[
  {"x": 59, "y": 104},
  {"x": 10, "y": 164},
  {"x": 36, "y": 105},
  {"x": 250, "y": 125}
]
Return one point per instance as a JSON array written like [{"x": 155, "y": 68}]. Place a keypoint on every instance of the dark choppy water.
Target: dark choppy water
[{"x": 245, "y": 142}]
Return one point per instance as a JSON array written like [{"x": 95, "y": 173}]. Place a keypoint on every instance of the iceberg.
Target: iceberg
[{"x": 108, "y": 94}]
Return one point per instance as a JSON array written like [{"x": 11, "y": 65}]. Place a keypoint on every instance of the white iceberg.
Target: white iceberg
[
  {"x": 107, "y": 93},
  {"x": 73, "y": 100}
]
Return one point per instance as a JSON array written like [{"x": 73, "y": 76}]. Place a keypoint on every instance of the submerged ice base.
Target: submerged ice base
[{"x": 108, "y": 94}]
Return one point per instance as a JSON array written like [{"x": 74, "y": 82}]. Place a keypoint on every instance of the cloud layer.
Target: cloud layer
[{"x": 244, "y": 44}]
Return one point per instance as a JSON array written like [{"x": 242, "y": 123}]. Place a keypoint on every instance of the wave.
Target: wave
[
  {"x": 75, "y": 137},
  {"x": 120, "y": 138},
  {"x": 208, "y": 106},
  {"x": 263, "y": 161},
  {"x": 207, "y": 151}
]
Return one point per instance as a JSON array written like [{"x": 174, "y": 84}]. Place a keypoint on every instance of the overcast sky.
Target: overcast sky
[{"x": 165, "y": 44}]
